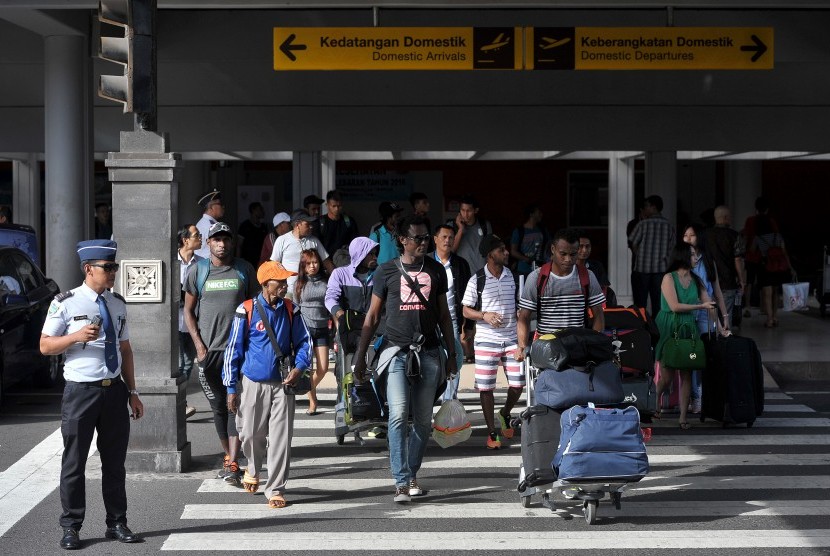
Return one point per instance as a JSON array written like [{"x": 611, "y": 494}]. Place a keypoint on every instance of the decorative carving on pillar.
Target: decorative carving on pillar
[{"x": 141, "y": 281}]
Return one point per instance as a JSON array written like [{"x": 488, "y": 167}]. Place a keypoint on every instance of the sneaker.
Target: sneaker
[
  {"x": 415, "y": 489},
  {"x": 506, "y": 428},
  {"x": 694, "y": 407},
  {"x": 234, "y": 475},
  {"x": 226, "y": 462},
  {"x": 493, "y": 441},
  {"x": 189, "y": 411},
  {"x": 402, "y": 495},
  {"x": 376, "y": 432}
]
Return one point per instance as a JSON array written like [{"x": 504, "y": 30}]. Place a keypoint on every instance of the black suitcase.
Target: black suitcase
[
  {"x": 636, "y": 352},
  {"x": 733, "y": 381},
  {"x": 540, "y": 439}
]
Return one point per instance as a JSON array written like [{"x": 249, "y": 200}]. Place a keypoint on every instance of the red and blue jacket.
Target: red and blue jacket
[{"x": 249, "y": 349}]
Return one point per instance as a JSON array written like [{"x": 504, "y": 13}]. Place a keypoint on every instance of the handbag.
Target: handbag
[
  {"x": 685, "y": 354},
  {"x": 795, "y": 296},
  {"x": 286, "y": 362}
]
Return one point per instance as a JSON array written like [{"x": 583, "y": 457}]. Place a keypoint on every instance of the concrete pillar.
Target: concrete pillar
[
  {"x": 26, "y": 201},
  {"x": 621, "y": 209},
  {"x": 193, "y": 184},
  {"x": 144, "y": 178},
  {"x": 743, "y": 186},
  {"x": 328, "y": 172},
  {"x": 661, "y": 179},
  {"x": 68, "y": 155},
  {"x": 308, "y": 175}
]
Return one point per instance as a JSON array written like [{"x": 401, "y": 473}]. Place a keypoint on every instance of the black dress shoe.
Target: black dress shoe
[
  {"x": 70, "y": 539},
  {"x": 122, "y": 533}
]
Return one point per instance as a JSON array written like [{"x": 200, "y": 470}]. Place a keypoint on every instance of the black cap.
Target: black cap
[
  {"x": 488, "y": 243},
  {"x": 312, "y": 200},
  {"x": 388, "y": 208},
  {"x": 206, "y": 198},
  {"x": 301, "y": 215},
  {"x": 218, "y": 229}
]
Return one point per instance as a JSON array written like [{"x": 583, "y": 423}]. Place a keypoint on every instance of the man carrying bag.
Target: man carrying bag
[{"x": 261, "y": 379}]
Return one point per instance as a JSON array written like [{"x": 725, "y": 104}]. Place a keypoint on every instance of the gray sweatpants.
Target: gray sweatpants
[{"x": 265, "y": 411}]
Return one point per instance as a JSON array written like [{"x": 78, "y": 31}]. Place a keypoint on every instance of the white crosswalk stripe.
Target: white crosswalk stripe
[{"x": 700, "y": 480}]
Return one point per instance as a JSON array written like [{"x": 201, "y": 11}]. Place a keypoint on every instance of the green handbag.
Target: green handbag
[{"x": 686, "y": 354}]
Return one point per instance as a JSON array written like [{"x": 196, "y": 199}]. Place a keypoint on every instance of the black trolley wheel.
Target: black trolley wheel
[{"x": 525, "y": 501}]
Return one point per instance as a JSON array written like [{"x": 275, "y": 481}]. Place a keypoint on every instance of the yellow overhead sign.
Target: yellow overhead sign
[
  {"x": 649, "y": 48},
  {"x": 397, "y": 48}
]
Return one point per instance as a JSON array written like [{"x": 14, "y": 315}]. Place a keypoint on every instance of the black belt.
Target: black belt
[{"x": 103, "y": 383}]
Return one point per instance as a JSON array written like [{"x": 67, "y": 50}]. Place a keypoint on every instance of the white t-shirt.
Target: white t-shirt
[
  {"x": 498, "y": 296},
  {"x": 288, "y": 250}
]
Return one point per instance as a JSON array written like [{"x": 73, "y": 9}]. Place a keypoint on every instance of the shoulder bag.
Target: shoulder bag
[{"x": 286, "y": 362}]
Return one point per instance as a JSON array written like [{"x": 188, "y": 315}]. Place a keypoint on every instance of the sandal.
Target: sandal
[
  {"x": 276, "y": 502},
  {"x": 657, "y": 415},
  {"x": 250, "y": 484},
  {"x": 684, "y": 426}
]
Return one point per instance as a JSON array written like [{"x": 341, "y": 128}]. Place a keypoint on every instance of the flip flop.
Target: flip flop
[
  {"x": 685, "y": 426},
  {"x": 276, "y": 502},
  {"x": 250, "y": 484},
  {"x": 312, "y": 413}
]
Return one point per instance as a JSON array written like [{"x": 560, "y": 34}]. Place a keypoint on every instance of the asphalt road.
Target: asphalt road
[{"x": 754, "y": 491}]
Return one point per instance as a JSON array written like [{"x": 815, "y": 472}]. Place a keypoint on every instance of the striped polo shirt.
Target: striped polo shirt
[{"x": 498, "y": 296}]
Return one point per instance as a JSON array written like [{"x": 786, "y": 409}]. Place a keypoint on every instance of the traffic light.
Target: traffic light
[{"x": 135, "y": 51}]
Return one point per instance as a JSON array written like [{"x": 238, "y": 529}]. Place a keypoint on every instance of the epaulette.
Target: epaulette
[
  {"x": 64, "y": 295},
  {"x": 118, "y": 296}
]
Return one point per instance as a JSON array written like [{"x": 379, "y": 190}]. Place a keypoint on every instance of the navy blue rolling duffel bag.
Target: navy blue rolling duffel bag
[
  {"x": 601, "y": 444},
  {"x": 599, "y": 384}
]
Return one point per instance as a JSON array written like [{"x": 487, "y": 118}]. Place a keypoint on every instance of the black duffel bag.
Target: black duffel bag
[{"x": 570, "y": 347}]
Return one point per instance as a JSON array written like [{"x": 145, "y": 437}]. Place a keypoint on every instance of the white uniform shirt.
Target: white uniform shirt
[
  {"x": 184, "y": 268},
  {"x": 498, "y": 296},
  {"x": 450, "y": 290},
  {"x": 70, "y": 313},
  {"x": 203, "y": 225}
]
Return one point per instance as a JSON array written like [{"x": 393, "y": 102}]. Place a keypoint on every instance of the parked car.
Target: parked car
[{"x": 25, "y": 295}]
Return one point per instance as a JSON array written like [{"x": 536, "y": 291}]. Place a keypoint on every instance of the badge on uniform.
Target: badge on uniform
[{"x": 81, "y": 317}]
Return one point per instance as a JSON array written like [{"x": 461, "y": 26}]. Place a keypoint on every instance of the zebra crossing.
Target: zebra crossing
[{"x": 763, "y": 488}]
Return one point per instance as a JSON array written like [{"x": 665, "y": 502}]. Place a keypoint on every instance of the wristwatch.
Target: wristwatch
[{"x": 134, "y": 392}]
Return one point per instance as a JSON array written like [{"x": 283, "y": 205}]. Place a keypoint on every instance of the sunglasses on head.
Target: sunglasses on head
[
  {"x": 419, "y": 239},
  {"x": 108, "y": 267}
]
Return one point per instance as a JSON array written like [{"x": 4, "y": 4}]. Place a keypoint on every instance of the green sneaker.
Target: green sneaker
[
  {"x": 493, "y": 441},
  {"x": 506, "y": 428}
]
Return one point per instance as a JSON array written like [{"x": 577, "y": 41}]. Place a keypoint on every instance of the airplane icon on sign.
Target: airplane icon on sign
[
  {"x": 549, "y": 43},
  {"x": 497, "y": 43}
]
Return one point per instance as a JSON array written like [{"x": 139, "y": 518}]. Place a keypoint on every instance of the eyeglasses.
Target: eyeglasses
[
  {"x": 108, "y": 267},
  {"x": 419, "y": 239},
  {"x": 195, "y": 235}
]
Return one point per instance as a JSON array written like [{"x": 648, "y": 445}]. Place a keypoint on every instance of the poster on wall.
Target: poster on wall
[
  {"x": 247, "y": 194},
  {"x": 377, "y": 185}
]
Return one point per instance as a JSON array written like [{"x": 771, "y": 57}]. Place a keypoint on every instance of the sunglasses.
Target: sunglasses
[
  {"x": 108, "y": 267},
  {"x": 419, "y": 239}
]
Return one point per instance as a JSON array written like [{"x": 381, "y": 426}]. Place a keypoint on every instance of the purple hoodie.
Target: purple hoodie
[{"x": 345, "y": 290}]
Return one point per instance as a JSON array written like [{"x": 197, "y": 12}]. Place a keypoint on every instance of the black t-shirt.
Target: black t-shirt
[
  {"x": 405, "y": 314},
  {"x": 336, "y": 234},
  {"x": 252, "y": 245}
]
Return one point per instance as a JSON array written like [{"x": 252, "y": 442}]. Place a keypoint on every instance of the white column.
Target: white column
[
  {"x": 621, "y": 209},
  {"x": 661, "y": 179},
  {"x": 308, "y": 175},
  {"x": 328, "y": 163},
  {"x": 68, "y": 157},
  {"x": 26, "y": 201},
  {"x": 743, "y": 186}
]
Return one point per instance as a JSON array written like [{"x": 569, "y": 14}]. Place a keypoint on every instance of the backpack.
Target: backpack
[
  {"x": 545, "y": 238},
  {"x": 248, "y": 305},
  {"x": 203, "y": 269},
  {"x": 542, "y": 282},
  {"x": 481, "y": 279}
]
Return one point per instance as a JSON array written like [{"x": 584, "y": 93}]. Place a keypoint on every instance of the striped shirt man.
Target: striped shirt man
[{"x": 563, "y": 300}]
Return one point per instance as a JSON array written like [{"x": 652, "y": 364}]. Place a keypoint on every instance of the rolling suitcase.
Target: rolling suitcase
[
  {"x": 540, "y": 438},
  {"x": 733, "y": 382}
]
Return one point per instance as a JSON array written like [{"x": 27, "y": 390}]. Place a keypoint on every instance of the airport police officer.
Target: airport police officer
[{"x": 89, "y": 325}]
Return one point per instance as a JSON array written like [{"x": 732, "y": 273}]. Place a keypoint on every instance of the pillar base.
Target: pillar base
[{"x": 158, "y": 461}]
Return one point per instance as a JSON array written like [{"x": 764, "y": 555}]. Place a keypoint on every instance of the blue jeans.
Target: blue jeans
[
  {"x": 702, "y": 320},
  {"x": 407, "y": 444},
  {"x": 452, "y": 385},
  {"x": 187, "y": 353}
]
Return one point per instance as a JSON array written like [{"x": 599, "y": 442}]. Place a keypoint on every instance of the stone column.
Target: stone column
[
  {"x": 144, "y": 178},
  {"x": 743, "y": 186},
  {"x": 621, "y": 209}
]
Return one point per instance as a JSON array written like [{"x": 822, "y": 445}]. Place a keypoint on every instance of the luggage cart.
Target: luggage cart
[
  {"x": 588, "y": 493},
  {"x": 824, "y": 299},
  {"x": 341, "y": 427}
]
